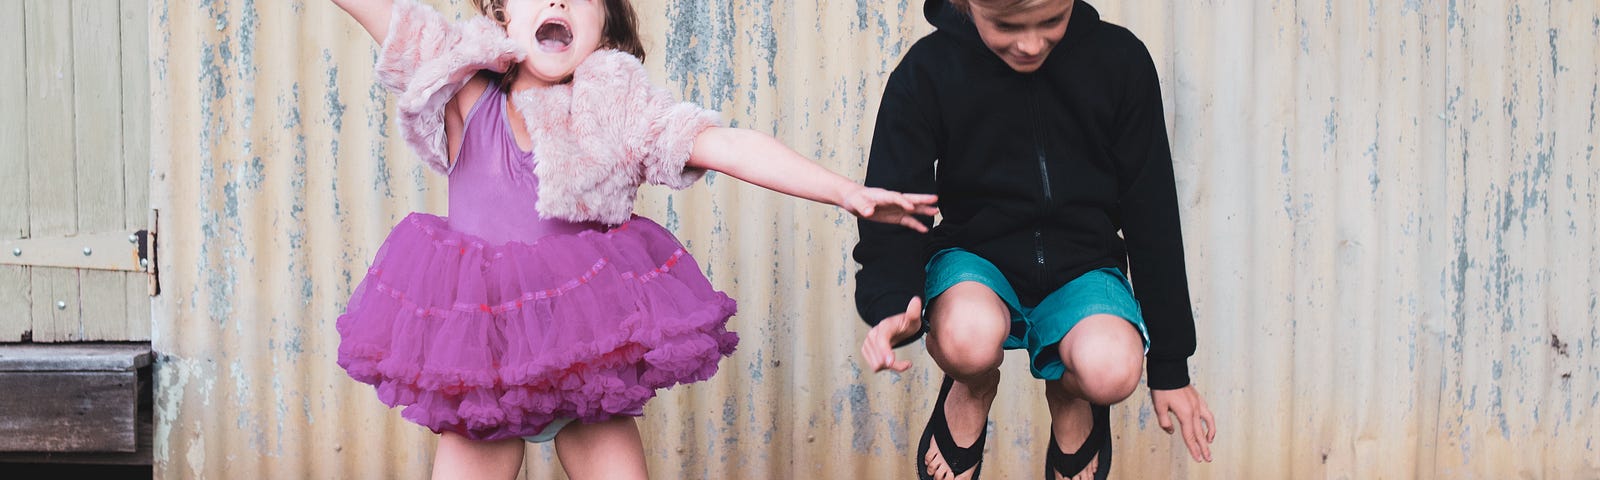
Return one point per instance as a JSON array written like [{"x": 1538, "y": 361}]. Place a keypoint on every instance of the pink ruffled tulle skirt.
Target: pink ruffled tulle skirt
[{"x": 496, "y": 341}]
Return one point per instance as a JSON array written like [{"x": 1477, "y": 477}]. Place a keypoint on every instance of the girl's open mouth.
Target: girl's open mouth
[{"x": 553, "y": 35}]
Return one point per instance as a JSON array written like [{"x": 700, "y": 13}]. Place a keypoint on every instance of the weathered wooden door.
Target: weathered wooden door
[{"x": 74, "y": 170}]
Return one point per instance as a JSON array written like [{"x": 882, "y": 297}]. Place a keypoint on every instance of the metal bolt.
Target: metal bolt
[
  {"x": 16, "y": 252},
  {"x": 144, "y": 263},
  {"x": 87, "y": 251},
  {"x": 61, "y": 304},
  {"x": 133, "y": 238}
]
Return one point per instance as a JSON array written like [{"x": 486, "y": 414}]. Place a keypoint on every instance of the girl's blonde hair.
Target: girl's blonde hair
[
  {"x": 1004, "y": 7},
  {"x": 621, "y": 28}
]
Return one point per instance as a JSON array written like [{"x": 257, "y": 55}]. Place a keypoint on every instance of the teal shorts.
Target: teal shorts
[{"x": 1039, "y": 328}]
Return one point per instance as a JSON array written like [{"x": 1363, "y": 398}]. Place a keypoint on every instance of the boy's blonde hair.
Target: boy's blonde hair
[
  {"x": 1004, "y": 7},
  {"x": 621, "y": 28}
]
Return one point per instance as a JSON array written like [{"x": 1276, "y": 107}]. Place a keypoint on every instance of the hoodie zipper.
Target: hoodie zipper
[{"x": 1044, "y": 180}]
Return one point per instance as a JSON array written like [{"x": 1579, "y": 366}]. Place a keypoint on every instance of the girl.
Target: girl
[{"x": 541, "y": 307}]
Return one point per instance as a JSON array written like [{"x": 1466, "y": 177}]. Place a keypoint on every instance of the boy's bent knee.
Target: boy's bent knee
[
  {"x": 968, "y": 324},
  {"x": 1110, "y": 383},
  {"x": 964, "y": 356},
  {"x": 1106, "y": 354}
]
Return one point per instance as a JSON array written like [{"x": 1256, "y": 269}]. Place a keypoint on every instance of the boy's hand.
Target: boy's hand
[
  {"x": 1185, "y": 404},
  {"x": 878, "y": 348},
  {"x": 891, "y": 207}
]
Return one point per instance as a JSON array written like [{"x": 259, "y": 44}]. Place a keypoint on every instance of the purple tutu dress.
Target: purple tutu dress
[{"x": 494, "y": 322}]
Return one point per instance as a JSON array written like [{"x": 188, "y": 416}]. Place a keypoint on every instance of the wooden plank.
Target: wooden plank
[
  {"x": 52, "y": 171},
  {"x": 106, "y": 251},
  {"x": 16, "y": 317},
  {"x": 52, "y": 168},
  {"x": 68, "y": 411},
  {"x": 141, "y": 455},
  {"x": 97, "y": 120},
  {"x": 136, "y": 150},
  {"x": 87, "y": 357},
  {"x": 55, "y": 307},
  {"x": 143, "y": 440}
]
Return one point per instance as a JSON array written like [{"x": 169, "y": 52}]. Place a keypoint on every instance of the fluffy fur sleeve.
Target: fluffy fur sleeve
[
  {"x": 426, "y": 59},
  {"x": 664, "y": 128},
  {"x": 600, "y": 136}
]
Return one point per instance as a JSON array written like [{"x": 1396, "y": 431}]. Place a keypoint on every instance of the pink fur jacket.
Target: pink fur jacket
[{"x": 596, "y": 139}]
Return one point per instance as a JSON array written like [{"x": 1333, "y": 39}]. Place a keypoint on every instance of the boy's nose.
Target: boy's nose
[{"x": 1030, "y": 46}]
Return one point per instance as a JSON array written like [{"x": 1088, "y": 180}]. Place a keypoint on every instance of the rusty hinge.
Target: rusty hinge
[{"x": 116, "y": 251}]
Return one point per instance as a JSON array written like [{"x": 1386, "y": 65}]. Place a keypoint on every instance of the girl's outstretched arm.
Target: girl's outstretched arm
[
  {"x": 373, "y": 15},
  {"x": 758, "y": 158}
]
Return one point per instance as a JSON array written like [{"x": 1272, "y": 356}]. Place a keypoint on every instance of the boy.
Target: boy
[{"x": 1040, "y": 127}]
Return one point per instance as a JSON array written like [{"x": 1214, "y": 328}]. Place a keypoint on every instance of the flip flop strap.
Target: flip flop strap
[
  {"x": 1069, "y": 464},
  {"x": 959, "y": 459}
]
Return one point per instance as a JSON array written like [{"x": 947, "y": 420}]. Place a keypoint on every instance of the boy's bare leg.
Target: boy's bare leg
[
  {"x": 1104, "y": 356},
  {"x": 967, "y": 328}
]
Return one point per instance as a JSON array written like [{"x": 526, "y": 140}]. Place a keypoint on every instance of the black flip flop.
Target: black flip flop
[
  {"x": 938, "y": 430},
  {"x": 1069, "y": 464}
]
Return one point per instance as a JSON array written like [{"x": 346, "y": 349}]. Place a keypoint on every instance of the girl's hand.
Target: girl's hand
[{"x": 891, "y": 207}]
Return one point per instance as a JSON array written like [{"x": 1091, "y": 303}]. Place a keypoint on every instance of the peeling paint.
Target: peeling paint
[
  {"x": 378, "y": 121},
  {"x": 698, "y": 48},
  {"x": 1410, "y": 7}
]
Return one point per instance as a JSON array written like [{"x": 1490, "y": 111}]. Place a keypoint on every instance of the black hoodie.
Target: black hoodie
[{"x": 1036, "y": 172}]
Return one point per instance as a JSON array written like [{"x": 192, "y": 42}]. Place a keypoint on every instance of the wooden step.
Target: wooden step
[{"x": 75, "y": 401}]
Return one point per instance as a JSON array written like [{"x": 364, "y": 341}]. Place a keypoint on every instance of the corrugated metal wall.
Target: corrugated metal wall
[{"x": 1390, "y": 211}]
